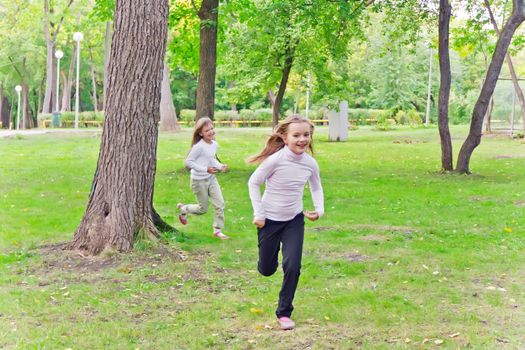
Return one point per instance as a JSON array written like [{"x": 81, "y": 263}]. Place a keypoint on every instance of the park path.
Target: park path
[{"x": 30, "y": 132}]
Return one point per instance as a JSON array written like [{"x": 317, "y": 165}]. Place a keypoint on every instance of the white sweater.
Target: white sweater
[
  {"x": 285, "y": 174},
  {"x": 202, "y": 156}
]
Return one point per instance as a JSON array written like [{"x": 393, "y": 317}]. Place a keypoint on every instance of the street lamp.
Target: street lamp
[
  {"x": 77, "y": 36},
  {"x": 58, "y": 54},
  {"x": 18, "y": 88},
  {"x": 429, "y": 82}
]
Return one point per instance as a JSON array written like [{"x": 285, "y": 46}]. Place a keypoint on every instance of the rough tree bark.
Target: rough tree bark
[
  {"x": 107, "y": 45},
  {"x": 444, "y": 89},
  {"x": 168, "y": 115},
  {"x": 121, "y": 200},
  {"x": 515, "y": 82},
  {"x": 208, "y": 14},
  {"x": 474, "y": 137}
]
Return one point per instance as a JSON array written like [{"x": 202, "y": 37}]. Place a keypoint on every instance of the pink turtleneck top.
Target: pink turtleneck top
[{"x": 285, "y": 174}]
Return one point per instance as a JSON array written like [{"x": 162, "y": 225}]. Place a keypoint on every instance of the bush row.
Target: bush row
[
  {"x": 357, "y": 116},
  {"x": 70, "y": 116}
]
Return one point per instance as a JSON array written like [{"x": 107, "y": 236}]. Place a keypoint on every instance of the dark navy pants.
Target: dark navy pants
[{"x": 291, "y": 235}]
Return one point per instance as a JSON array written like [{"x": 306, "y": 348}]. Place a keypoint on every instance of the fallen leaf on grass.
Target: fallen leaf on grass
[
  {"x": 255, "y": 310},
  {"x": 453, "y": 335},
  {"x": 327, "y": 318},
  {"x": 408, "y": 340},
  {"x": 508, "y": 229},
  {"x": 438, "y": 341}
]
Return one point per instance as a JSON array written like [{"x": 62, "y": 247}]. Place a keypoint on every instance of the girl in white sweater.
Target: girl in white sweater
[
  {"x": 204, "y": 165},
  {"x": 285, "y": 167}
]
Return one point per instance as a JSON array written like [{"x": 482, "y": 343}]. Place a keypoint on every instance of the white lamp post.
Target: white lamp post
[
  {"x": 58, "y": 54},
  {"x": 77, "y": 36},
  {"x": 18, "y": 88},
  {"x": 429, "y": 83}
]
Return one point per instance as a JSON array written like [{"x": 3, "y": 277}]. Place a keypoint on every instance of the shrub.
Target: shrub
[
  {"x": 414, "y": 118},
  {"x": 246, "y": 114},
  {"x": 187, "y": 115},
  {"x": 384, "y": 123},
  {"x": 264, "y": 114},
  {"x": 401, "y": 117}
]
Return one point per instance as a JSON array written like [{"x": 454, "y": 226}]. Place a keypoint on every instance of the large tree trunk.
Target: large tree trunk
[
  {"x": 168, "y": 116},
  {"x": 515, "y": 82},
  {"x": 480, "y": 108},
  {"x": 276, "y": 106},
  {"x": 208, "y": 14},
  {"x": 121, "y": 200},
  {"x": 444, "y": 88},
  {"x": 107, "y": 44}
]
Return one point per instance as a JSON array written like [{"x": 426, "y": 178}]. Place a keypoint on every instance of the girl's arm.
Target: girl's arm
[
  {"x": 191, "y": 160},
  {"x": 316, "y": 189},
  {"x": 258, "y": 177}
]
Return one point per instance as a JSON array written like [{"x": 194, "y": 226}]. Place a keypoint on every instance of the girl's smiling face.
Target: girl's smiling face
[
  {"x": 207, "y": 133},
  {"x": 298, "y": 137}
]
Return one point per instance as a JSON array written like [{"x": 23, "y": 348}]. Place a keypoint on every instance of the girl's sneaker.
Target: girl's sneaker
[
  {"x": 286, "y": 323},
  {"x": 182, "y": 217},
  {"x": 220, "y": 235}
]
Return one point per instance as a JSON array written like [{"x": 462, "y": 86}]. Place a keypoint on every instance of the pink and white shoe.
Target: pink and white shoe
[
  {"x": 286, "y": 323},
  {"x": 182, "y": 217},
  {"x": 220, "y": 235}
]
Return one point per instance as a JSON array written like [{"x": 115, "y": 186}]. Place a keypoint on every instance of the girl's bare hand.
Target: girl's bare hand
[
  {"x": 311, "y": 215},
  {"x": 224, "y": 168},
  {"x": 212, "y": 170},
  {"x": 259, "y": 223}
]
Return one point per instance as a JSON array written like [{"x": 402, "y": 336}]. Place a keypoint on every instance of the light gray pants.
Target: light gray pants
[{"x": 204, "y": 190}]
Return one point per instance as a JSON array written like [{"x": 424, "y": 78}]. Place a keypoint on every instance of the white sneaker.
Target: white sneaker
[{"x": 220, "y": 235}]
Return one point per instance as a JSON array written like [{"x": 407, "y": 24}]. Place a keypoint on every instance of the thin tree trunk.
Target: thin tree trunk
[
  {"x": 233, "y": 105},
  {"x": 515, "y": 82},
  {"x": 444, "y": 88},
  {"x": 488, "y": 116},
  {"x": 480, "y": 108},
  {"x": 50, "y": 44},
  {"x": 4, "y": 109},
  {"x": 208, "y": 14},
  {"x": 288, "y": 61},
  {"x": 40, "y": 95},
  {"x": 121, "y": 200},
  {"x": 168, "y": 116},
  {"x": 107, "y": 51},
  {"x": 26, "y": 120},
  {"x": 93, "y": 80},
  {"x": 65, "y": 92},
  {"x": 50, "y": 72},
  {"x": 68, "y": 90}
]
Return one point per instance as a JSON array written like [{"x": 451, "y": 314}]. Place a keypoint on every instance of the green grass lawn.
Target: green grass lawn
[{"x": 405, "y": 257}]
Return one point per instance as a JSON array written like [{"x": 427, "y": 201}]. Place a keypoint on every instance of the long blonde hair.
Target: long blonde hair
[
  {"x": 276, "y": 140},
  {"x": 199, "y": 125}
]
